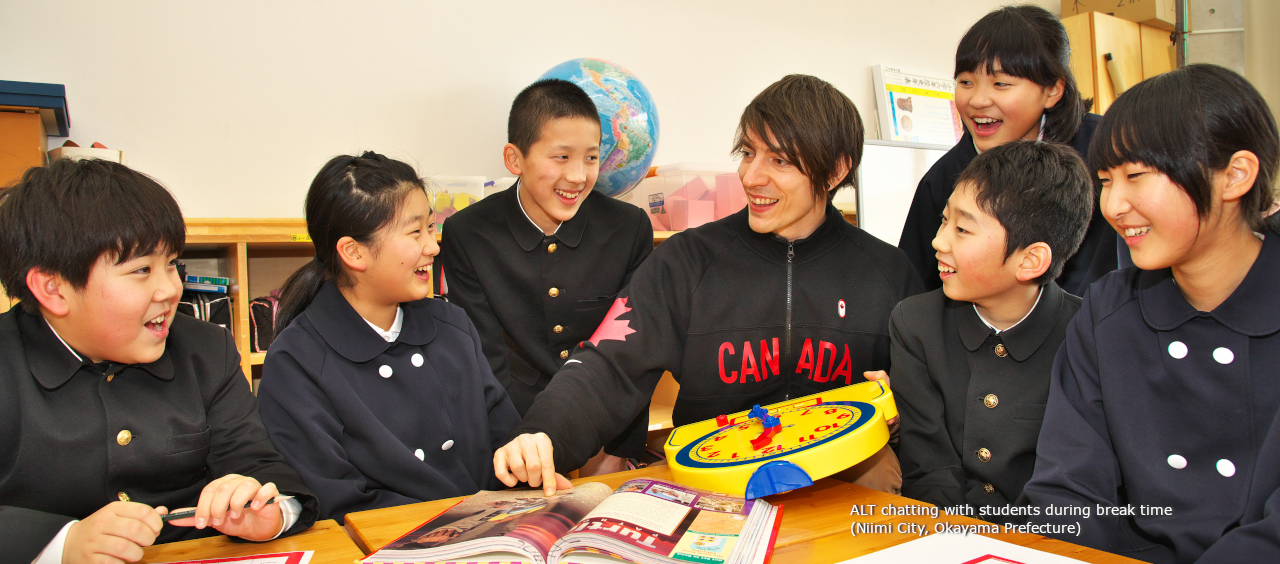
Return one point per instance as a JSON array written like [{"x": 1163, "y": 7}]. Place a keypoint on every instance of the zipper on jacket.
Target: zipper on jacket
[{"x": 791, "y": 255}]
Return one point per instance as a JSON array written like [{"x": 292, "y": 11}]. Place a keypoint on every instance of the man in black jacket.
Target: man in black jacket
[{"x": 783, "y": 299}]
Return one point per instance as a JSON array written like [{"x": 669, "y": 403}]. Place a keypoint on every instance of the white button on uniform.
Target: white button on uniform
[
  {"x": 1177, "y": 461},
  {"x": 447, "y": 445},
  {"x": 1177, "y": 349},
  {"x": 421, "y": 455},
  {"x": 385, "y": 371},
  {"x": 1226, "y": 468},
  {"x": 416, "y": 359},
  {"x": 1223, "y": 355}
]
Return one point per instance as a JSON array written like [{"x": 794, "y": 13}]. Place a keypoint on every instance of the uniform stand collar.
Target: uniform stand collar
[
  {"x": 53, "y": 364},
  {"x": 1252, "y": 309},
  {"x": 1021, "y": 341},
  {"x": 346, "y": 332},
  {"x": 528, "y": 236}
]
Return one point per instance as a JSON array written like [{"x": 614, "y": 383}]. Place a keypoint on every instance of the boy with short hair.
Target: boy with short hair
[
  {"x": 537, "y": 266},
  {"x": 114, "y": 410},
  {"x": 971, "y": 361}
]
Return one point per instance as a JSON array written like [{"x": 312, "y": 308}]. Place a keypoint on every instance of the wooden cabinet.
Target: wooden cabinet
[{"x": 1141, "y": 51}]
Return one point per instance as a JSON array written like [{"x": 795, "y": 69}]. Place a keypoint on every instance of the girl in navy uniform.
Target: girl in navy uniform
[
  {"x": 377, "y": 395},
  {"x": 1013, "y": 81},
  {"x": 1163, "y": 407}
]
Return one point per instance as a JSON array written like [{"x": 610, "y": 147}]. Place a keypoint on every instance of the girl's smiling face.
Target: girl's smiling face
[
  {"x": 1155, "y": 216},
  {"x": 998, "y": 108},
  {"x": 400, "y": 269}
]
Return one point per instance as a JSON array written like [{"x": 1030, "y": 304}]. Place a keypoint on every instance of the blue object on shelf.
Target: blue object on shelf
[
  {"x": 776, "y": 477},
  {"x": 758, "y": 412},
  {"x": 50, "y": 99}
]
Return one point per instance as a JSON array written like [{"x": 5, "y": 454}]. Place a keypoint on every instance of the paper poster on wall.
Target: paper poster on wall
[{"x": 916, "y": 106}]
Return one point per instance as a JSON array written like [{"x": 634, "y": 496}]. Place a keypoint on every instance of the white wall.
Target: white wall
[{"x": 234, "y": 105}]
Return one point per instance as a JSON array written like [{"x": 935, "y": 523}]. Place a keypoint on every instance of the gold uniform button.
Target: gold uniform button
[
  {"x": 984, "y": 454},
  {"x": 987, "y": 487},
  {"x": 991, "y": 401},
  {"x": 551, "y": 248},
  {"x": 123, "y": 438},
  {"x": 564, "y": 355},
  {"x": 553, "y": 292},
  {"x": 1001, "y": 351},
  {"x": 110, "y": 376},
  {"x": 558, "y": 328},
  {"x": 123, "y": 496}
]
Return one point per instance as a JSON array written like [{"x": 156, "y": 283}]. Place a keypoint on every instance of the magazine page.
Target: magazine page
[
  {"x": 524, "y": 521},
  {"x": 665, "y": 520}
]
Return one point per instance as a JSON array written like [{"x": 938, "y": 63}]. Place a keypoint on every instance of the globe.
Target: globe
[{"x": 628, "y": 120}]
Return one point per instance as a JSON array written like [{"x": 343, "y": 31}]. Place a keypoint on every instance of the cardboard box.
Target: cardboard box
[
  {"x": 1155, "y": 13},
  {"x": 23, "y": 141},
  {"x": 77, "y": 153}
]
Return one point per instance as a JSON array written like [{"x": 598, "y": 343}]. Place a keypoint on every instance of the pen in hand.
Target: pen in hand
[{"x": 192, "y": 512}]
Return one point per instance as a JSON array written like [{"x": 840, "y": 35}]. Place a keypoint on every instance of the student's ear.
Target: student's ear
[
  {"x": 842, "y": 170},
  {"x": 353, "y": 254},
  {"x": 1036, "y": 259},
  {"x": 50, "y": 290},
  {"x": 1054, "y": 92},
  {"x": 1240, "y": 174},
  {"x": 511, "y": 157}
]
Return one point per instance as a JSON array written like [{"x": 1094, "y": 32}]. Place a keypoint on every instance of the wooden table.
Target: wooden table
[
  {"x": 815, "y": 523},
  {"x": 330, "y": 543}
]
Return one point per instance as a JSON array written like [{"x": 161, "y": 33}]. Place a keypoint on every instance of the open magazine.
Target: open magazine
[{"x": 644, "y": 521}]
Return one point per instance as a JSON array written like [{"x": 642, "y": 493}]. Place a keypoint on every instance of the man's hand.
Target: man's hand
[
  {"x": 115, "y": 533},
  {"x": 527, "y": 458},
  {"x": 222, "y": 503}
]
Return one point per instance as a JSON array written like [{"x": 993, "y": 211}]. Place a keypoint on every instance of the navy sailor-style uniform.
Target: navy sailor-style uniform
[
  {"x": 1156, "y": 404},
  {"x": 370, "y": 423}
]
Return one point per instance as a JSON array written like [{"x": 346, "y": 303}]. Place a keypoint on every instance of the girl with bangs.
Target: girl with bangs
[
  {"x": 1013, "y": 81},
  {"x": 1165, "y": 393}
]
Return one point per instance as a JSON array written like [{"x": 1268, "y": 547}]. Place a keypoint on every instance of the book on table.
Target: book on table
[{"x": 644, "y": 521}]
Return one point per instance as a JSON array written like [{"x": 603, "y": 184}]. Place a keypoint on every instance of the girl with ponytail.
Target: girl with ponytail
[{"x": 377, "y": 395}]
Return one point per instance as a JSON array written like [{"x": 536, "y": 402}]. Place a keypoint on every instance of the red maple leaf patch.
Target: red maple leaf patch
[{"x": 612, "y": 327}]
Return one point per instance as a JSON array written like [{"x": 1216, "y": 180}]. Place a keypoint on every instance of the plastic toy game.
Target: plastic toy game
[{"x": 783, "y": 446}]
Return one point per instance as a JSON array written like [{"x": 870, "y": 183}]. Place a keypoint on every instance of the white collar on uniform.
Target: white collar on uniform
[
  {"x": 390, "y": 334},
  {"x": 1024, "y": 318},
  {"x": 526, "y": 214},
  {"x": 64, "y": 341}
]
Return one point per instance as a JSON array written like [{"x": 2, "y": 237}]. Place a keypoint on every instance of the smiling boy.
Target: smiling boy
[
  {"x": 536, "y": 266},
  {"x": 114, "y": 408},
  {"x": 972, "y": 360},
  {"x": 780, "y": 300}
]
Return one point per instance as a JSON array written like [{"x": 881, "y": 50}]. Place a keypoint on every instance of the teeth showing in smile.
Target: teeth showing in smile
[
  {"x": 985, "y": 120},
  {"x": 158, "y": 321},
  {"x": 1136, "y": 231},
  {"x": 945, "y": 268},
  {"x": 424, "y": 269},
  {"x": 763, "y": 201},
  {"x": 567, "y": 195}
]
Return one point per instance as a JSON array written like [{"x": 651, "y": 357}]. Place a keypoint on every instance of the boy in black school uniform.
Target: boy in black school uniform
[
  {"x": 114, "y": 410},
  {"x": 972, "y": 360},
  {"x": 537, "y": 266}
]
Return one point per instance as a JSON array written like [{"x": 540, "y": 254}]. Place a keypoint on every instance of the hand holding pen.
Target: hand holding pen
[{"x": 236, "y": 506}]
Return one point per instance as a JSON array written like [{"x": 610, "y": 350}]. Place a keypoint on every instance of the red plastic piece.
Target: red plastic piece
[
  {"x": 722, "y": 420},
  {"x": 766, "y": 437}
]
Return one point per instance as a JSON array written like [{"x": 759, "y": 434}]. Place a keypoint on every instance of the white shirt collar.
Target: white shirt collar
[
  {"x": 64, "y": 342},
  {"x": 390, "y": 334},
  {"x": 526, "y": 214},
  {"x": 1024, "y": 318}
]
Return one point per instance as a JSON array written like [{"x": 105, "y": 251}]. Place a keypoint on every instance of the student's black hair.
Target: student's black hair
[
  {"x": 350, "y": 197},
  {"x": 541, "y": 102},
  {"x": 62, "y": 218},
  {"x": 1039, "y": 192},
  {"x": 815, "y": 125},
  {"x": 1028, "y": 42},
  {"x": 1186, "y": 124}
]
